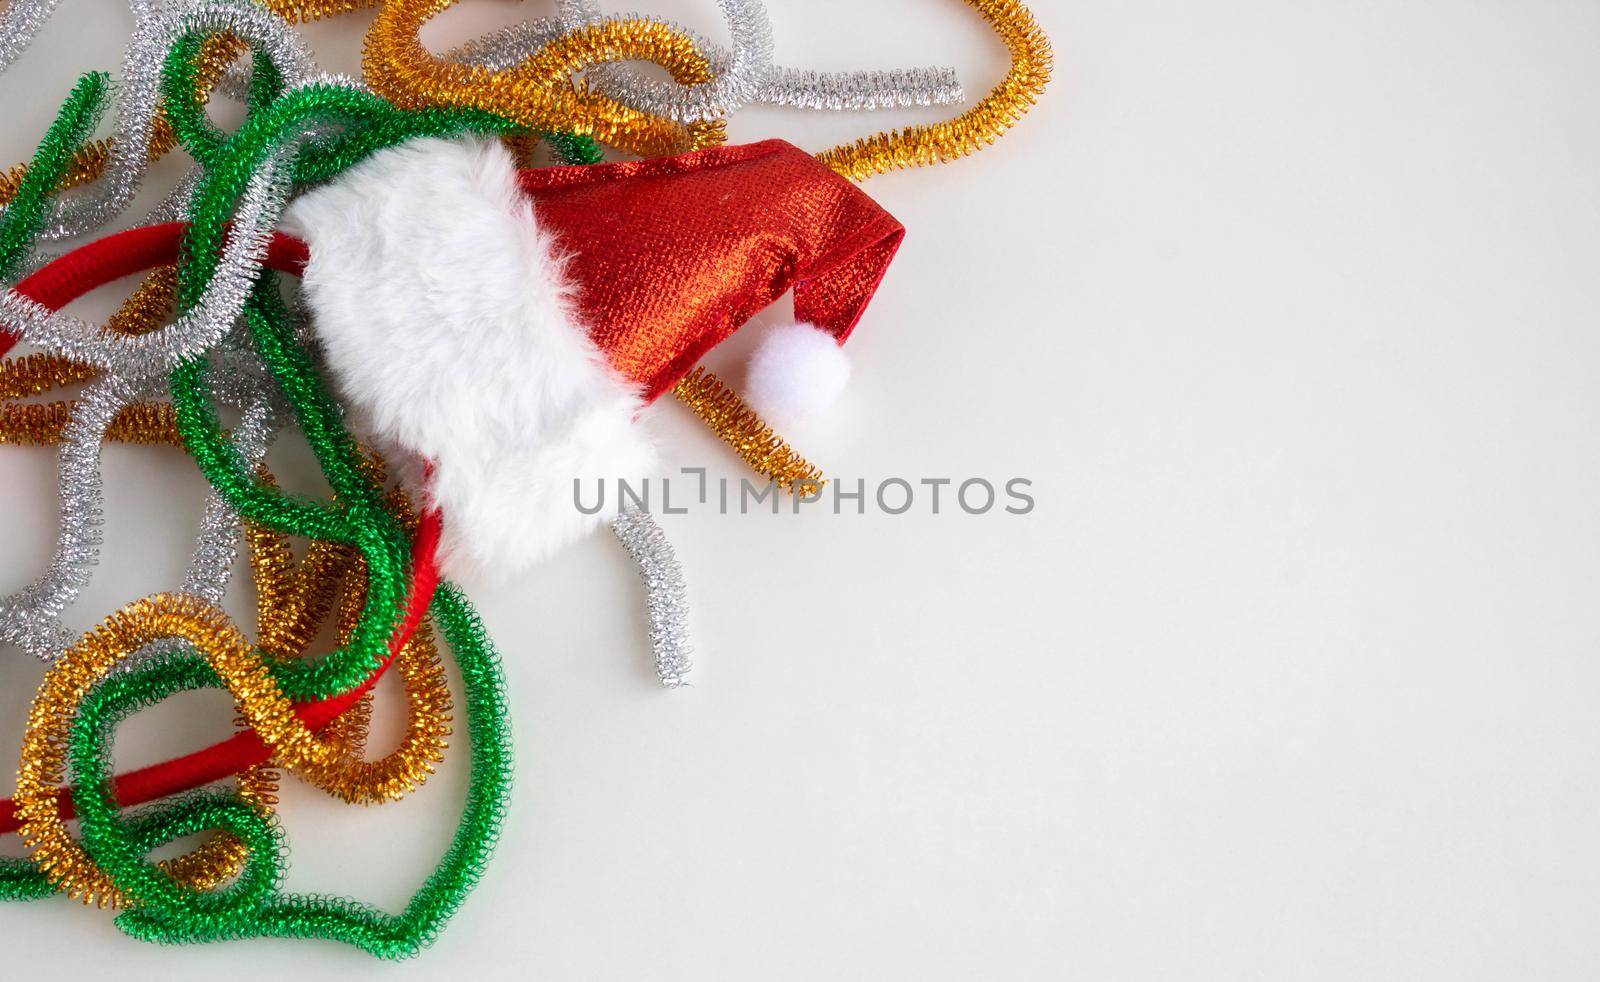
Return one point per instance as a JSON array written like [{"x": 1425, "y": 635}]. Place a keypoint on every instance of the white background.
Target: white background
[{"x": 1288, "y": 310}]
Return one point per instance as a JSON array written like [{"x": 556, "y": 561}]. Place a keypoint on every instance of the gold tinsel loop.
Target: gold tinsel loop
[
  {"x": 291, "y": 606},
  {"x": 720, "y": 408},
  {"x": 540, "y": 93},
  {"x": 44, "y": 749},
  {"x": 978, "y": 127}
]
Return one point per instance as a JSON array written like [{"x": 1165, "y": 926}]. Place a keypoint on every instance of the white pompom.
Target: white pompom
[{"x": 796, "y": 371}]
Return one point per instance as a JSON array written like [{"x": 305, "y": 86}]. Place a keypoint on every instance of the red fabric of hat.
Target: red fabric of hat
[{"x": 672, "y": 255}]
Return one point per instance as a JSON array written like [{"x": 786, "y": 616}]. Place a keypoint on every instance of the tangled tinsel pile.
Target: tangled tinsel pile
[{"x": 210, "y": 329}]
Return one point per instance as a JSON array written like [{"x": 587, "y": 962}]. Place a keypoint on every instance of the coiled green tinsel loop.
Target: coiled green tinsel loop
[
  {"x": 253, "y": 906},
  {"x": 119, "y": 843}
]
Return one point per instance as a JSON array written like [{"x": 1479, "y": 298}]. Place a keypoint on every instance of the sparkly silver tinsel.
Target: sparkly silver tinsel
[
  {"x": 216, "y": 548},
  {"x": 666, "y": 600},
  {"x": 19, "y": 22},
  {"x": 31, "y": 617},
  {"x": 743, "y": 76}
]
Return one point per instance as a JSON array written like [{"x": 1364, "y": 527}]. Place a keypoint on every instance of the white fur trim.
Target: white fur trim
[
  {"x": 448, "y": 325},
  {"x": 796, "y": 371}
]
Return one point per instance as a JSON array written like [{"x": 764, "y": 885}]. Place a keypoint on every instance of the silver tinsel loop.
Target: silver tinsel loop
[
  {"x": 775, "y": 85},
  {"x": 31, "y": 617},
  {"x": 666, "y": 599},
  {"x": 19, "y": 22}
]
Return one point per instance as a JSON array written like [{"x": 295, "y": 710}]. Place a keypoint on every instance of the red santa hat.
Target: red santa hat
[{"x": 507, "y": 326}]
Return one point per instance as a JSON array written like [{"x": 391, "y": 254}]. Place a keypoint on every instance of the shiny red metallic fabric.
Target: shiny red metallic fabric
[{"x": 672, "y": 255}]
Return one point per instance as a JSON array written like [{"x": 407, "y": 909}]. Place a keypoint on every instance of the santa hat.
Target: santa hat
[{"x": 507, "y": 326}]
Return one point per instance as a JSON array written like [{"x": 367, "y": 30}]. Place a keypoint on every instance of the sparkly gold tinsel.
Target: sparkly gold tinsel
[
  {"x": 44, "y": 749},
  {"x": 30, "y": 375},
  {"x": 42, "y": 425},
  {"x": 404, "y": 769},
  {"x": 149, "y": 305},
  {"x": 720, "y": 408},
  {"x": 978, "y": 127},
  {"x": 541, "y": 92},
  {"x": 304, "y": 11},
  {"x": 292, "y": 603}
]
